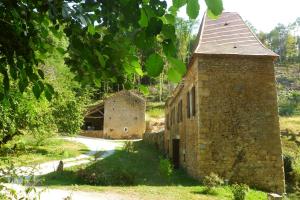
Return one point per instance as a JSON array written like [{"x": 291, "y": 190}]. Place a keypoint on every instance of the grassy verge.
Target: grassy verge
[
  {"x": 290, "y": 137},
  {"x": 290, "y": 123},
  {"x": 155, "y": 110},
  {"x": 148, "y": 183},
  {"x": 28, "y": 153}
]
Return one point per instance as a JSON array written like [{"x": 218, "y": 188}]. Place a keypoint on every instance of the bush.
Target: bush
[
  {"x": 292, "y": 172},
  {"x": 212, "y": 181},
  {"x": 165, "y": 167},
  {"x": 288, "y": 168},
  {"x": 288, "y": 103},
  {"x": 128, "y": 146},
  {"x": 68, "y": 114},
  {"x": 107, "y": 177},
  {"x": 239, "y": 191}
]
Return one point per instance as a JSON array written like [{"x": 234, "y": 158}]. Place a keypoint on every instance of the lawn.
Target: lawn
[
  {"x": 27, "y": 152},
  {"x": 148, "y": 183}
]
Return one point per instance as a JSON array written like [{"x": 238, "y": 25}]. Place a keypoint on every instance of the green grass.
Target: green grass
[
  {"x": 155, "y": 109},
  {"x": 27, "y": 153},
  {"x": 290, "y": 123},
  {"x": 148, "y": 184},
  {"x": 291, "y": 147}
]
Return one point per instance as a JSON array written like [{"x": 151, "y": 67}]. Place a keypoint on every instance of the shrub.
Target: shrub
[
  {"x": 288, "y": 168},
  {"x": 211, "y": 181},
  {"x": 128, "y": 146},
  {"x": 292, "y": 172},
  {"x": 288, "y": 103},
  {"x": 107, "y": 177},
  {"x": 165, "y": 167},
  {"x": 239, "y": 191},
  {"x": 68, "y": 114}
]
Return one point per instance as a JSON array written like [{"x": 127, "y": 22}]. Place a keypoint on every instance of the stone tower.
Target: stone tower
[{"x": 227, "y": 108}]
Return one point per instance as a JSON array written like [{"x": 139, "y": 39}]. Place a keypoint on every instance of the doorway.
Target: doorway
[{"x": 176, "y": 158}]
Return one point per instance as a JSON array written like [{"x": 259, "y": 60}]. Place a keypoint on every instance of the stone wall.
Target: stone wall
[
  {"x": 124, "y": 116},
  {"x": 235, "y": 131},
  {"x": 186, "y": 130},
  {"x": 156, "y": 139},
  {"x": 92, "y": 133},
  {"x": 239, "y": 135}
]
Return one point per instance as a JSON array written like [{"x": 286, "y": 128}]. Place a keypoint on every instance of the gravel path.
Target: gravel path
[
  {"x": 95, "y": 145},
  {"x": 107, "y": 147},
  {"x": 59, "y": 194}
]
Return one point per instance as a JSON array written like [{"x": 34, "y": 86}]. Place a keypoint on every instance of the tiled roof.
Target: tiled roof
[{"x": 229, "y": 35}]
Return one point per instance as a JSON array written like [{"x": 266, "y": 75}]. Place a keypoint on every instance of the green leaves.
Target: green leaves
[
  {"x": 168, "y": 32},
  {"x": 170, "y": 19},
  {"x": 215, "y": 7},
  {"x": 49, "y": 91},
  {"x": 154, "y": 65},
  {"x": 192, "y": 8},
  {"x": 173, "y": 75},
  {"x": 144, "y": 89},
  {"x": 133, "y": 66},
  {"x": 41, "y": 73},
  {"x": 37, "y": 90},
  {"x": 179, "y": 3},
  {"x": 178, "y": 65},
  {"x": 137, "y": 67},
  {"x": 177, "y": 69},
  {"x": 101, "y": 58},
  {"x": 154, "y": 26},
  {"x": 143, "y": 22},
  {"x": 91, "y": 29}
]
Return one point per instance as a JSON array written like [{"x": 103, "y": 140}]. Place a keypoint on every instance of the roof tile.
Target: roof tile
[{"x": 229, "y": 34}]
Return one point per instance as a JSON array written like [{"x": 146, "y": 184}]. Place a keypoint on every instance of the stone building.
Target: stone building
[
  {"x": 223, "y": 117},
  {"x": 119, "y": 116}
]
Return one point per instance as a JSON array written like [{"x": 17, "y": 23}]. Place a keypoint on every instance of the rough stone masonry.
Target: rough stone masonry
[{"x": 223, "y": 117}]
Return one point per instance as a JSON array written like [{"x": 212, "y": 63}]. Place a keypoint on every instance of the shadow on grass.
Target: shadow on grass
[
  {"x": 206, "y": 191},
  {"x": 140, "y": 166}
]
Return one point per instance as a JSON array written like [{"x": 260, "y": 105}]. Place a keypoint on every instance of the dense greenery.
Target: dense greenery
[
  {"x": 108, "y": 41},
  {"x": 55, "y": 55},
  {"x": 23, "y": 114}
]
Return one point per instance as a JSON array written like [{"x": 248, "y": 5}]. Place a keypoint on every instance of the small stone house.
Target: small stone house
[
  {"x": 223, "y": 117},
  {"x": 119, "y": 116}
]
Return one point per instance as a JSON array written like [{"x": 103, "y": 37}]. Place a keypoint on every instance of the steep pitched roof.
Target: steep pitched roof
[
  {"x": 127, "y": 93},
  {"x": 230, "y": 35}
]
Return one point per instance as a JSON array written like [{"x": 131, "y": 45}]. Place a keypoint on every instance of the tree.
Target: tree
[
  {"x": 105, "y": 39},
  {"x": 184, "y": 36},
  {"x": 291, "y": 47}
]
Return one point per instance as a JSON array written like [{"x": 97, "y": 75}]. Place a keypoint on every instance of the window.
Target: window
[
  {"x": 188, "y": 105},
  {"x": 173, "y": 116},
  {"x": 191, "y": 102},
  {"x": 167, "y": 121},
  {"x": 179, "y": 112},
  {"x": 193, "y": 99},
  {"x": 172, "y": 120}
]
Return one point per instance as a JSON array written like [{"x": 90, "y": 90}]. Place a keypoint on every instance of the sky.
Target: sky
[{"x": 264, "y": 15}]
